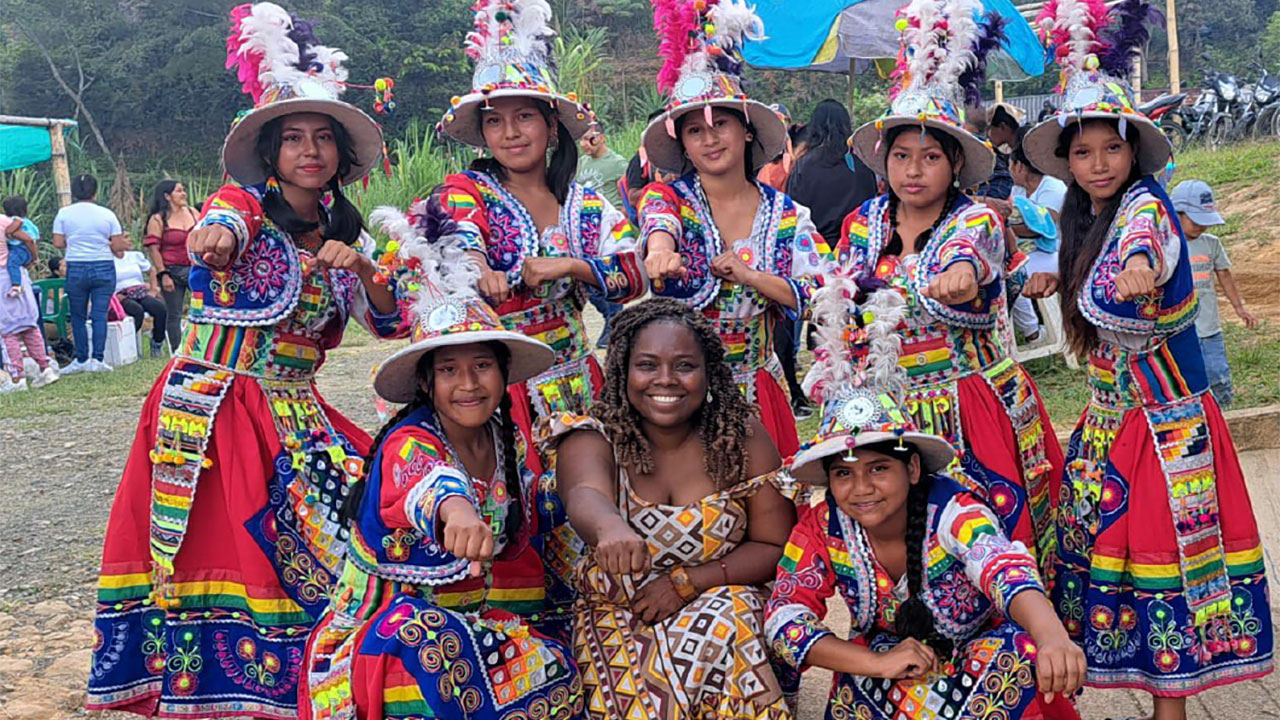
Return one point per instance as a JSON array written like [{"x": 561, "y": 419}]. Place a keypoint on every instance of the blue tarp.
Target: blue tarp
[
  {"x": 797, "y": 32},
  {"x": 21, "y": 146}
]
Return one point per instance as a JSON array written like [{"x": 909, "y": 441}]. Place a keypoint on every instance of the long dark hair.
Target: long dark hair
[
  {"x": 159, "y": 203},
  {"x": 1083, "y": 236},
  {"x": 507, "y": 436},
  {"x": 748, "y": 156},
  {"x": 827, "y": 133},
  {"x": 564, "y": 159},
  {"x": 914, "y": 619},
  {"x": 951, "y": 148},
  {"x": 723, "y": 421},
  {"x": 343, "y": 221}
]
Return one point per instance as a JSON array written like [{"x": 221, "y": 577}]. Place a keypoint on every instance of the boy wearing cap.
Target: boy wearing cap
[{"x": 1193, "y": 199}]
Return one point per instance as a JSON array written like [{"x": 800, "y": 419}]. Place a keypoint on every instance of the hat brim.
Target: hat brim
[
  {"x": 1041, "y": 143},
  {"x": 666, "y": 153},
  {"x": 979, "y": 158},
  {"x": 240, "y": 154},
  {"x": 397, "y": 377},
  {"x": 1205, "y": 218},
  {"x": 935, "y": 453},
  {"x": 462, "y": 122}
]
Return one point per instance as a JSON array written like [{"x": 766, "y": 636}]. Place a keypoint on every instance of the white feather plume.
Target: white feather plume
[
  {"x": 333, "y": 72},
  {"x": 1074, "y": 17},
  {"x": 531, "y": 25},
  {"x": 833, "y": 311},
  {"x": 924, "y": 38},
  {"x": 445, "y": 270},
  {"x": 962, "y": 27},
  {"x": 883, "y": 372},
  {"x": 736, "y": 22},
  {"x": 266, "y": 31}
]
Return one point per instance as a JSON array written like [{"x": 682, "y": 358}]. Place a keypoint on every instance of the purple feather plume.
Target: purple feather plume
[
  {"x": 432, "y": 219},
  {"x": 303, "y": 33},
  {"x": 1124, "y": 37},
  {"x": 990, "y": 35},
  {"x": 867, "y": 283}
]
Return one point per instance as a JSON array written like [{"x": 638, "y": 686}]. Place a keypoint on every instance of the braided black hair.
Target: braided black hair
[
  {"x": 561, "y": 168},
  {"x": 723, "y": 421},
  {"x": 506, "y": 435}
]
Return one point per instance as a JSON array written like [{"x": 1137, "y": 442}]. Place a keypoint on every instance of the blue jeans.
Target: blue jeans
[
  {"x": 19, "y": 256},
  {"x": 1217, "y": 369},
  {"x": 90, "y": 282}
]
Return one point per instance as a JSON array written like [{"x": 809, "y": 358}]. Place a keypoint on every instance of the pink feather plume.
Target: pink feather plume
[
  {"x": 248, "y": 64},
  {"x": 673, "y": 20}
]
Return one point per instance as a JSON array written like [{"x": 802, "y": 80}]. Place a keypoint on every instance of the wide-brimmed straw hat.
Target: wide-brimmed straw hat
[
  {"x": 701, "y": 42},
  {"x": 859, "y": 381},
  {"x": 941, "y": 66},
  {"x": 511, "y": 47},
  {"x": 1095, "y": 48},
  {"x": 436, "y": 284},
  {"x": 286, "y": 71}
]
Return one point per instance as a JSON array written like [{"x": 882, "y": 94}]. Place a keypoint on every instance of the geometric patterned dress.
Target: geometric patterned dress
[{"x": 707, "y": 661}]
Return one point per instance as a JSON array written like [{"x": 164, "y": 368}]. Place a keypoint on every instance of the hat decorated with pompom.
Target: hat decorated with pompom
[
  {"x": 511, "y": 47},
  {"x": 436, "y": 281},
  {"x": 1095, "y": 48},
  {"x": 701, "y": 45},
  {"x": 942, "y": 64},
  {"x": 285, "y": 70},
  {"x": 858, "y": 379}
]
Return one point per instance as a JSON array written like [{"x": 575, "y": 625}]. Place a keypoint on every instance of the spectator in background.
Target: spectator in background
[
  {"x": 601, "y": 169},
  {"x": 1046, "y": 112},
  {"x": 1193, "y": 199},
  {"x": 20, "y": 234},
  {"x": 828, "y": 179},
  {"x": 995, "y": 191},
  {"x": 19, "y": 314},
  {"x": 138, "y": 290},
  {"x": 1037, "y": 200},
  {"x": 85, "y": 229},
  {"x": 57, "y": 268},
  {"x": 640, "y": 173},
  {"x": 170, "y": 221}
]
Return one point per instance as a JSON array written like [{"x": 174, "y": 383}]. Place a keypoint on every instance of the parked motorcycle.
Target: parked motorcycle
[
  {"x": 1210, "y": 119},
  {"x": 1164, "y": 112}
]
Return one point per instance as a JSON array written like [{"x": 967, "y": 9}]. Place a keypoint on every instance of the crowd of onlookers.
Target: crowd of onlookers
[{"x": 104, "y": 280}]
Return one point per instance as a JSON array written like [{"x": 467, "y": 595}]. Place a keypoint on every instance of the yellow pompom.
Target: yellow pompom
[
  {"x": 901, "y": 25},
  {"x": 1091, "y": 63},
  {"x": 380, "y": 85},
  {"x": 393, "y": 246}
]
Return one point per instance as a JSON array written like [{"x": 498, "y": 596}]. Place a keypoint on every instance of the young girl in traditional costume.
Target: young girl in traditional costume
[
  {"x": 734, "y": 249},
  {"x": 671, "y": 481},
  {"x": 949, "y": 617},
  {"x": 1161, "y": 575},
  {"x": 431, "y": 617},
  {"x": 544, "y": 241},
  {"x": 947, "y": 255},
  {"x": 225, "y": 537}
]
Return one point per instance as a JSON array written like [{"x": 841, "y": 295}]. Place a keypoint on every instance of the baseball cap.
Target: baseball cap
[{"x": 1194, "y": 198}]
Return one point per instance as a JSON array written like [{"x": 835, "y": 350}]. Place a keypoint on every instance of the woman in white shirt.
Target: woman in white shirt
[
  {"x": 86, "y": 230},
  {"x": 139, "y": 291}
]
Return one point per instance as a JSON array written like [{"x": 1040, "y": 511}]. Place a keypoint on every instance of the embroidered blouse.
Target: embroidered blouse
[
  {"x": 972, "y": 572},
  {"x": 396, "y": 536},
  {"x": 1145, "y": 224},
  {"x": 265, "y": 281},
  {"x": 783, "y": 242},
  {"x": 494, "y": 222}
]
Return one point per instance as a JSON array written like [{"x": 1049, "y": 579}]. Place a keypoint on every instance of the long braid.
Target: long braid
[
  {"x": 351, "y": 508},
  {"x": 896, "y": 245},
  {"x": 914, "y": 618},
  {"x": 722, "y": 421},
  {"x": 511, "y": 467}
]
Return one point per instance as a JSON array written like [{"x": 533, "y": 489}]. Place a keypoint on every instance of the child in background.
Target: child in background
[
  {"x": 1193, "y": 199},
  {"x": 20, "y": 236},
  {"x": 19, "y": 315}
]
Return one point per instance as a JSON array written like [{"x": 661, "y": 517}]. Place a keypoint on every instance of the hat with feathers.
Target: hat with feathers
[
  {"x": 857, "y": 378},
  {"x": 701, "y": 45},
  {"x": 511, "y": 47},
  {"x": 436, "y": 281},
  {"x": 1095, "y": 48},
  {"x": 285, "y": 70},
  {"x": 941, "y": 67}
]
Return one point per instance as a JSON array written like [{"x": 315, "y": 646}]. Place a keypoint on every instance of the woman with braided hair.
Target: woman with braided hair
[
  {"x": 436, "y": 611},
  {"x": 947, "y": 255},
  {"x": 949, "y": 616},
  {"x": 670, "y": 481}
]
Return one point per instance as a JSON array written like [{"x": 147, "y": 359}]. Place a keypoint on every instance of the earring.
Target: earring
[
  {"x": 956, "y": 183},
  {"x": 710, "y": 397}
]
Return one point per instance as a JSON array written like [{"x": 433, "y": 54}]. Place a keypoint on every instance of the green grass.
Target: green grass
[
  {"x": 82, "y": 394},
  {"x": 1254, "y": 162}
]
